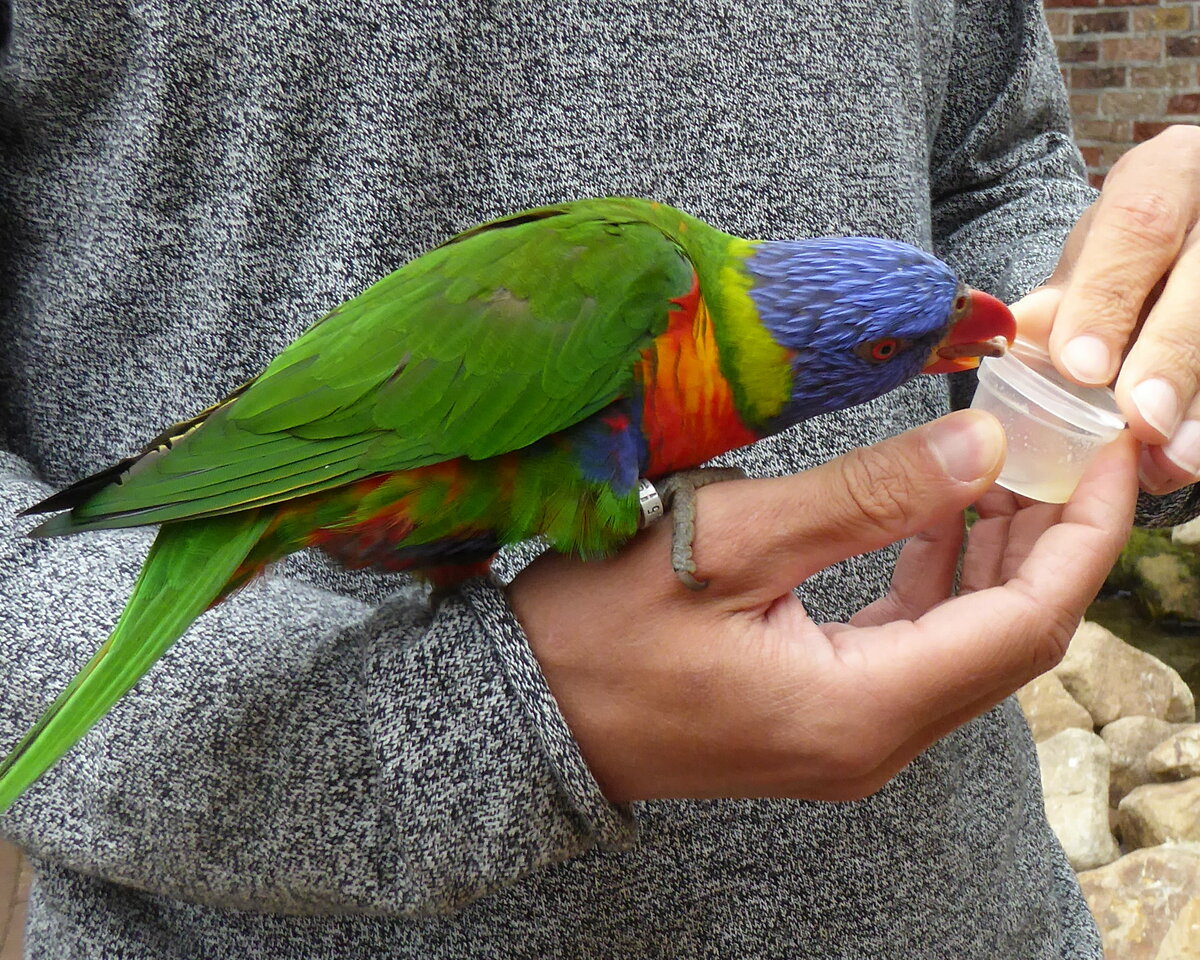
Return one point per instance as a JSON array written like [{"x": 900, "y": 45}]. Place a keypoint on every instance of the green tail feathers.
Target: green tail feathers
[{"x": 186, "y": 570}]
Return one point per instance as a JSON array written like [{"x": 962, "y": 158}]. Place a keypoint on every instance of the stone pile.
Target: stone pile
[{"x": 1119, "y": 750}]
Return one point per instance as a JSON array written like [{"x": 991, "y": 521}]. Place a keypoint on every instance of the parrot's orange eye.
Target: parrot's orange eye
[
  {"x": 879, "y": 351},
  {"x": 960, "y": 304}
]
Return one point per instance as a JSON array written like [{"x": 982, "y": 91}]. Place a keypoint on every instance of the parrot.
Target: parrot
[{"x": 524, "y": 379}]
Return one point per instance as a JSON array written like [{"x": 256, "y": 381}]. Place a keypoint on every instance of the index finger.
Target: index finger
[{"x": 1134, "y": 235}]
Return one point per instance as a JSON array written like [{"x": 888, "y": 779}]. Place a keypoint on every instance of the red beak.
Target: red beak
[{"x": 987, "y": 329}]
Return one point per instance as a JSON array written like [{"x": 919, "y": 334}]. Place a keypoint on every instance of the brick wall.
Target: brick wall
[{"x": 1133, "y": 68}]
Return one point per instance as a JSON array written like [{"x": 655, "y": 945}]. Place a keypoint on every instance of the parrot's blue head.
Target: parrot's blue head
[{"x": 861, "y": 315}]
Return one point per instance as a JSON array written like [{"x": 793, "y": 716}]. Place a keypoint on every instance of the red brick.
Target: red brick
[
  {"x": 1184, "y": 103},
  {"x": 1096, "y": 180},
  {"x": 1089, "y": 128},
  {"x": 1173, "y": 76},
  {"x": 1110, "y": 21},
  {"x": 1117, "y": 49},
  {"x": 1110, "y": 153},
  {"x": 1072, "y": 3},
  {"x": 1084, "y": 104},
  {"x": 1129, "y": 3},
  {"x": 1145, "y": 129},
  {"x": 1078, "y": 51},
  {"x": 1164, "y": 18},
  {"x": 1091, "y": 156},
  {"x": 1118, "y": 104},
  {"x": 1184, "y": 46},
  {"x": 1059, "y": 22},
  {"x": 1087, "y": 78}
]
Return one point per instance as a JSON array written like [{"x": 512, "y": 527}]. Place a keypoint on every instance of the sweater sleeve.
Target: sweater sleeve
[
  {"x": 1008, "y": 180},
  {"x": 297, "y": 750}
]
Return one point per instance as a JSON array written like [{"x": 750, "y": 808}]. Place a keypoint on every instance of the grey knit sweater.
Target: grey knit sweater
[{"x": 323, "y": 768}]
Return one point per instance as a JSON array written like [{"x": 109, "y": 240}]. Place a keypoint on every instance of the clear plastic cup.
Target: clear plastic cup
[{"x": 1054, "y": 427}]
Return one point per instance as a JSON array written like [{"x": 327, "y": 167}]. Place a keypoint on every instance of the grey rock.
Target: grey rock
[
  {"x": 1112, "y": 679},
  {"x": 1130, "y": 740},
  {"x": 1160, "y": 813},
  {"x": 1049, "y": 709},
  {"x": 1182, "y": 941},
  {"x": 1074, "y": 766},
  {"x": 1177, "y": 757},
  {"x": 1187, "y": 534},
  {"x": 1138, "y": 901}
]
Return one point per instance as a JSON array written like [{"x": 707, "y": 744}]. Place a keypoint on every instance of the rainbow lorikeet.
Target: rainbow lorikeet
[{"x": 519, "y": 380}]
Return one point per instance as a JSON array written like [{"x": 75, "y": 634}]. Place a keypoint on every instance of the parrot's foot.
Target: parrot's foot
[{"x": 678, "y": 493}]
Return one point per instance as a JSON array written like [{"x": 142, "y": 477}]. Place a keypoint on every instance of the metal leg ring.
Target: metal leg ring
[{"x": 650, "y": 502}]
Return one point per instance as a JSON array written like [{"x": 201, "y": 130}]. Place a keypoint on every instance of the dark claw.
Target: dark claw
[{"x": 689, "y": 581}]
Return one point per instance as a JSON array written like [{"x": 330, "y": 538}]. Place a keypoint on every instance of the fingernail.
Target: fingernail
[
  {"x": 1158, "y": 404},
  {"x": 1088, "y": 358},
  {"x": 967, "y": 445},
  {"x": 1184, "y": 448},
  {"x": 1150, "y": 474}
]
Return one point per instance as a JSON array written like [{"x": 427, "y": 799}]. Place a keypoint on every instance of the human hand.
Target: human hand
[
  {"x": 735, "y": 692},
  {"x": 1128, "y": 284}
]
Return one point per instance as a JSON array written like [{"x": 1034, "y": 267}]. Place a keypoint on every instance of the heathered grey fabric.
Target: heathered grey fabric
[{"x": 323, "y": 768}]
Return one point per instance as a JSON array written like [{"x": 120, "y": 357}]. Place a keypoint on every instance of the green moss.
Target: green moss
[
  {"x": 1152, "y": 600},
  {"x": 1162, "y": 576}
]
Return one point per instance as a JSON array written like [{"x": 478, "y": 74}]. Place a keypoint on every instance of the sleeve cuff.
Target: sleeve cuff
[
  {"x": 1169, "y": 510},
  {"x": 613, "y": 825}
]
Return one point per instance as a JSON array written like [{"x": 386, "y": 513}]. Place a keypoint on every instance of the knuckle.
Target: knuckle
[
  {"x": 1147, "y": 218},
  {"x": 1049, "y": 628},
  {"x": 1181, "y": 137},
  {"x": 1057, "y": 637},
  {"x": 1178, "y": 350},
  {"x": 877, "y": 487},
  {"x": 1047, "y": 653},
  {"x": 1112, "y": 307}
]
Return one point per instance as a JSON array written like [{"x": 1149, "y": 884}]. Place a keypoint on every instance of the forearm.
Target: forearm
[{"x": 296, "y": 751}]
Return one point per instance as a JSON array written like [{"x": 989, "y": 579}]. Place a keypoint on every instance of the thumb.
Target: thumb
[{"x": 757, "y": 539}]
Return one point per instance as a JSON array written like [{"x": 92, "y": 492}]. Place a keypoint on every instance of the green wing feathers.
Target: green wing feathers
[
  {"x": 185, "y": 572},
  {"x": 508, "y": 333}
]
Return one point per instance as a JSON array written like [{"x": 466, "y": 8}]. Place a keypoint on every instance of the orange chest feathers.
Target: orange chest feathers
[{"x": 688, "y": 409}]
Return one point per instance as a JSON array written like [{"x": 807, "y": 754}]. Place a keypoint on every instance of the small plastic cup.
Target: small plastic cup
[{"x": 1054, "y": 427}]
